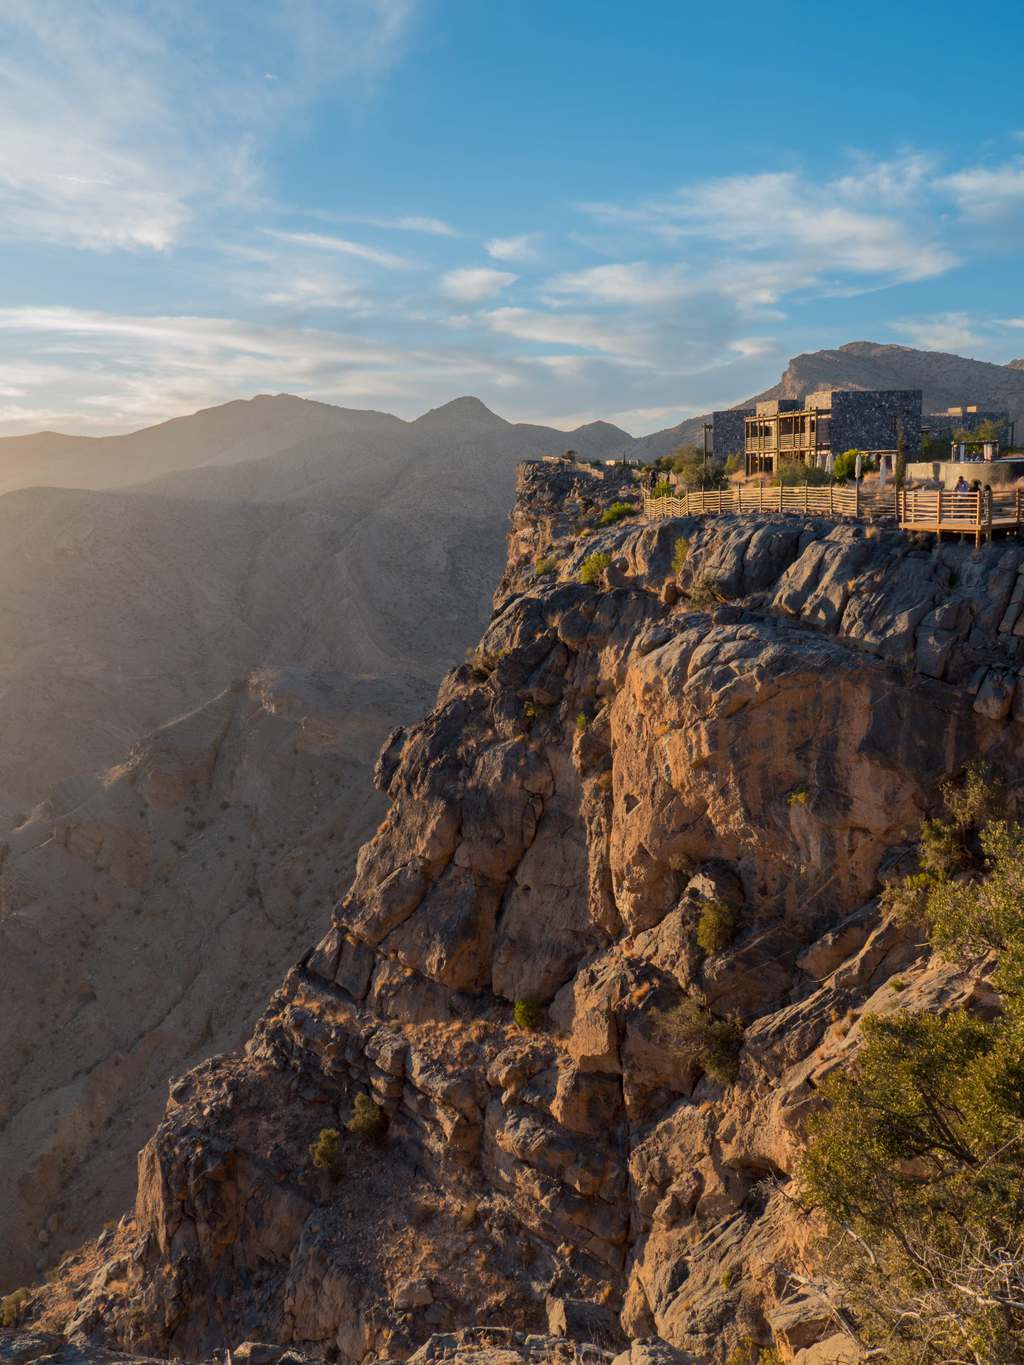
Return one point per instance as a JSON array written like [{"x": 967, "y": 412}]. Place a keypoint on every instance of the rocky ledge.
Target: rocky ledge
[{"x": 619, "y": 922}]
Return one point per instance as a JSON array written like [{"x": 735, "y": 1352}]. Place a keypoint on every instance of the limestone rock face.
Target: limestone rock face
[{"x": 520, "y": 977}]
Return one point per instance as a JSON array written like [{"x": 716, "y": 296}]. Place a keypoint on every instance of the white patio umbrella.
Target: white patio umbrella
[
  {"x": 828, "y": 463},
  {"x": 882, "y": 462},
  {"x": 858, "y": 466}
]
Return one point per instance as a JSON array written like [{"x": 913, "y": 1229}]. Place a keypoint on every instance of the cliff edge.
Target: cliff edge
[{"x": 549, "y": 1069}]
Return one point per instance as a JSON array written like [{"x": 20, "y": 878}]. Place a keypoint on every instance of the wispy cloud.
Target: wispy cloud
[
  {"x": 952, "y": 332},
  {"x": 432, "y": 227},
  {"x": 474, "y": 283},
  {"x": 121, "y": 123},
  {"x": 790, "y": 226},
  {"x": 524, "y": 248},
  {"x": 560, "y": 329},
  {"x": 319, "y": 242},
  {"x": 988, "y": 193},
  {"x": 637, "y": 282}
]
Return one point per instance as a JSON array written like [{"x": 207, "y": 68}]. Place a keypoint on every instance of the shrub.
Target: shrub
[
  {"x": 715, "y": 1043},
  {"x": 679, "y": 553},
  {"x": 547, "y": 564},
  {"x": 325, "y": 1152},
  {"x": 480, "y": 664},
  {"x": 734, "y": 463},
  {"x": 528, "y": 1014},
  {"x": 594, "y": 566},
  {"x": 917, "y": 1159},
  {"x": 530, "y": 710},
  {"x": 844, "y": 466},
  {"x": 616, "y": 512},
  {"x": 795, "y": 473},
  {"x": 799, "y": 796},
  {"x": 716, "y": 926},
  {"x": 581, "y": 722},
  {"x": 664, "y": 488},
  {"x": 368, "y": 1119},
  {"x": 12, "y": 1307}
]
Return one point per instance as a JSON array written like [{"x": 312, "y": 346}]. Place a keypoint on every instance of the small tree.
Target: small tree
[
  {"x": 594, "y": 566},
  {"x": 716, "y": 926},
  {"x": 325, "y": 1152},
  {"x": 900, "y": 469},
  {"x": 528, "y": 1014},
  {"x": 845, "y": 465},
  {"x": 714, "y": 1043},
  {"x": 368, "y": 1119}
]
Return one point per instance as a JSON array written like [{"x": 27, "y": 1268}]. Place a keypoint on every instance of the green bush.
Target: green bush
[
  {"x": 844, "y": 466},
  {"x": 917, "y": 1158},
  {"x": 547, "y": 564},
  {"x": 799, "y": 796},
  {"x": 688, "y": 462},
  {"x": 325, "y": 1152},
  {"x": 594, "y": 566},
  {"x": 581, "y": 722},
  {"x": 716, "y": 926},
  {"x": 796, "y": 474},
  {"x": 714, "y": 1043},
  {"x": 617, "y": 512},
  {"x": 368, "y": 1119},
  {"x": 679, "y": 553},
  {"x": 528, "y": 1014},
  {"x": 664, "y": 488},
  {"x": 734, "y": 463}
]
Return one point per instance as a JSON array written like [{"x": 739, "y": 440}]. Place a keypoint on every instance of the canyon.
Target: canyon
[{"x": 566, "y": 1128}]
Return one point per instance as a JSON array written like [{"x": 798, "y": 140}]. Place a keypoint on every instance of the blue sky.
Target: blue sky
[{"x": 573, "y": 210}]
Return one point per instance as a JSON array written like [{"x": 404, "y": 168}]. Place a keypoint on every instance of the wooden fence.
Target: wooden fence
[
  {"x": 834, "y": 500},
  {"x": 974, "y": 514}
]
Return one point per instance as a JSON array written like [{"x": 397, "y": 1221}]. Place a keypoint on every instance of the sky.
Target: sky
[{"x": 572, "y": 209}]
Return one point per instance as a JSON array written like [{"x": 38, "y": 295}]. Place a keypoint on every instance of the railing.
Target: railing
[
  {"x": 976, "y": 514},
  {"x": 835, "y": 500}
]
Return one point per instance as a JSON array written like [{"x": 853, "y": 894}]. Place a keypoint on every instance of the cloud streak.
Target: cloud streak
[{"x": 121, "y": 124}]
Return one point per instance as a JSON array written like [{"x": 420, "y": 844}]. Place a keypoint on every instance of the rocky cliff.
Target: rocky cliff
[{"x": 549, "y": 1067}]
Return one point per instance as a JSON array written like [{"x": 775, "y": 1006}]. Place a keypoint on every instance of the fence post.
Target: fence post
[{"x": 760, "y": 496}]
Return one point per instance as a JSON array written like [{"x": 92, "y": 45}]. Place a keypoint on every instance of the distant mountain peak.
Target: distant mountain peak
[
  {"x": 1015, "y": 364},
  {"x": 463, "y": 409}
]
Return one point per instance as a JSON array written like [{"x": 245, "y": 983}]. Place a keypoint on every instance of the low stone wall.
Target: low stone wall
[{"x": 949, "y": 471}]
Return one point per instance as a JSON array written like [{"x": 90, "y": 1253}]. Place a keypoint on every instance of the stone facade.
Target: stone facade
[
  {"x": 871, "y": 420},
  {"x": 727, "y": 432},
  {"x": 945, "y": 423}
]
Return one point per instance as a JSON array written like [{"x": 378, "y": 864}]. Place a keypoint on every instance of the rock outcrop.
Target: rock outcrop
[{"x": 517, "y": 1083}]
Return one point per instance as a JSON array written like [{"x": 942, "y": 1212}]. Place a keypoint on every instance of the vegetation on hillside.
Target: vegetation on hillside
[
  {"x": 617, "y": 511},
  {"x": 594, "y": 566},
  {"x": 917, "y": 1158},
  {"x": 693, "y": 471}
]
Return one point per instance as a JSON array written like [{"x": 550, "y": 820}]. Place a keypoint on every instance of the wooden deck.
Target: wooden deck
[
  {"x": 833, "y": 500},
  {"x": 939, "y": 513},
  {"x": 978, "y": 515}
]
